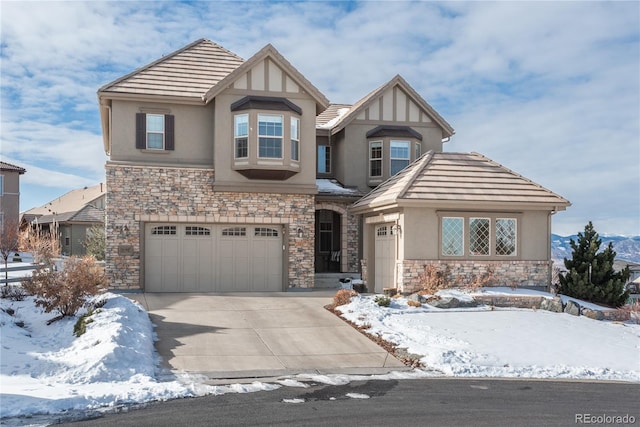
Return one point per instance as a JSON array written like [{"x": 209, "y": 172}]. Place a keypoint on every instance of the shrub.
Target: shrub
[
  {"x": 81, "y": 325},
  {"x": 434, "y": 279},
  {"x": 343, "y": 296},
  {"x": 43, "y": 245},
  {"x": 66, "y": 291},
  {"x": 95, "y": 243},
  {"x": 383, "y": 301},
  {"x": 13, "y": 292}
]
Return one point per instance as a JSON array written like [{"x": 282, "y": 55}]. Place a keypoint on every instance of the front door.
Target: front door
[{"x": 328, "y": 243}]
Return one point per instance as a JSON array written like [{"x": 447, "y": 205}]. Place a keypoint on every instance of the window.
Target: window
[
  {"x": 399, "y": 155},
  {"x": 295, "y": 139},
  {"x": 505, "y": 236},
  {"x": 488, "y": 236},
  {"x": 270, "y": 136},
  {"x": 326, "y": 231},
  {"x": 234, "y": 231},
  {"x": 164, "y": 230},
  {"x": 324, "y": 159},
  {"x": 155, "y": 131},
  {"x": 479, "y": 236},
  {"x": 197, "y": 231},
  {"x": 381, "y": 231},
  {"x": 1, "y": 185},
  {"x": 418, "y": 152},
  {"x": 375, "y": 159},
  {"x": 241, "y": 136},
  {"x": 265, "y": 232},
  {"x": 452, "y": 236}
]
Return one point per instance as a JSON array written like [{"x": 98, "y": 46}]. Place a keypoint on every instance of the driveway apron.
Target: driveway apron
[{"x": 248, "y": 335}]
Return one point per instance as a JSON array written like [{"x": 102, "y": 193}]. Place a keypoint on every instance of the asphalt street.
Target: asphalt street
[{"x": 424, "y": 402}]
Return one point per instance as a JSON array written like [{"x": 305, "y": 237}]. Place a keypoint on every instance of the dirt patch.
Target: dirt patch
[{"x": 409, "y": 359}]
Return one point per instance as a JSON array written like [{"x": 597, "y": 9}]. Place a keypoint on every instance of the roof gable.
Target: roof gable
[
  {"x": 71, "y": 202},
  {"x": 188, "y": 72},
  {"x": 268, "y": 70},
  {"x": 4, "y": 166},
  {"x": 379, "y": 103},
  {"x": 460, "y": 178}
]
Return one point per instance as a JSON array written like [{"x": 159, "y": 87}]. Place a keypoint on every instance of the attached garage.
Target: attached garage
[{"x": 213, "y": 258}]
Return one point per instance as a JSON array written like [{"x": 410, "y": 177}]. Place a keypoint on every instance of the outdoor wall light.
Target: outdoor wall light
[
  {"x": 396, "y": 229},
  {"x": 300, "y": 232}
]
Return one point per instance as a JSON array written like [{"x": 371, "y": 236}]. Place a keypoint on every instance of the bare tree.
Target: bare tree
[{"x": 8, "y": 243}]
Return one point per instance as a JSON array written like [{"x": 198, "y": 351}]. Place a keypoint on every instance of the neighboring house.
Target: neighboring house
[
  {"x": 73, "y": 213},
  {"x": 234, "y": 175},
  {"x": 9, "y": 193},
  {"x": 633, "y": 283}
]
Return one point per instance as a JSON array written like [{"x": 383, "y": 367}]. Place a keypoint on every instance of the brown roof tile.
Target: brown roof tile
[{"x": 13, "y": 168}]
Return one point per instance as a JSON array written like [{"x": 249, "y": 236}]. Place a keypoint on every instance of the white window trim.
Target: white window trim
[
  {"x": 418, "y": 150},
  {"x": 515, "y": 246},
  {"x": 147, "y": 131},
  {"x": 270, "y": 136},
  {"x": 381, "y": 159},
  {"x": 391, "y": 158},
  {"x": 295, "y": 140},
  {"x": 489, "y": 238},
  {"x": 236, "y": 136},
  {"x": 464, "y": 233}
]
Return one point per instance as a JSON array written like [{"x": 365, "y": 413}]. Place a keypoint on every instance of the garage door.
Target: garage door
[
  {"x": 213, "y": 258},
  {"x": 385, "y": 256}
]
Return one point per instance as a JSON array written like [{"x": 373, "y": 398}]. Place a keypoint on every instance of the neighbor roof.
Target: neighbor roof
[
  {"x": 458, "y": 179},
  {"x": 187, "y": 73},
  {"x": 88, "y": 213},
  {"x": 73, "y": 201},
  {"x": 4, "y": 166}
]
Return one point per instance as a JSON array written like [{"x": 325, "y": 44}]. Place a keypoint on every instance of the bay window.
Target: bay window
[
  {"x": 241, "y": 136},
  {"x": 270, "y": 136},
  {"x": 399, "y": 156},
  {"x": 375, "y": 159}
]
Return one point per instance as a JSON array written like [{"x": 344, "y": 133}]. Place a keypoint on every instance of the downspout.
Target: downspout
[{"x": 550, "y": 261}]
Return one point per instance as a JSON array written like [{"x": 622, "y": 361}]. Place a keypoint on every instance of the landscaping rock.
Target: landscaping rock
[
  {"x": 467, "y": 303},
  {"x": 446, "y": 302},
  {"x": 593, "y": 314},
  {"x": 554, "y": 305},
  {"x": 418, "y": 298},
  {"x": 572, "y": 308}
]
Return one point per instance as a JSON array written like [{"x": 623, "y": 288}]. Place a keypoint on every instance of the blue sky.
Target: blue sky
[{"x": 548, "y": 89}]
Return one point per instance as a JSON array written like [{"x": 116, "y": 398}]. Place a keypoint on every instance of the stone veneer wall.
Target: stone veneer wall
[
  {"x": 161, "y": 194},
  {"x": 505, "y": 273}
]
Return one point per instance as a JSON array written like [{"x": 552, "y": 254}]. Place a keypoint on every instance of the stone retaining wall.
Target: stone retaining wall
[
  {"x": 140, "y": 194},
  {"x": 461, "y": 273}
]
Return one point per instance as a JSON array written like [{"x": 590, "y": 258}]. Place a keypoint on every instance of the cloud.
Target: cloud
[{"x": 549, "y": 89}]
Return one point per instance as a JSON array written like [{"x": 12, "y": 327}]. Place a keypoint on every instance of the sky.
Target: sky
[{"x": 550, "y": 90}]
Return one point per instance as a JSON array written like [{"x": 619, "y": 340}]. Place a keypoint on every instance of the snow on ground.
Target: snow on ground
[
  {"x": 480, "y": 342},
  {"x": 45, "y": 369}
]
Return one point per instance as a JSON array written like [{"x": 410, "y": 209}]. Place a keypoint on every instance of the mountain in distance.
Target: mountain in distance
[{"x": 627, "y": 248}]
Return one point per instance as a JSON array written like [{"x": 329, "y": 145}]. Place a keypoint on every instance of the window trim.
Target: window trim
[
  {"x": 391, "y": 158},
  {"x": 295, "y": 141},
  {"x": 141, "y": 133},
  {"x": 379, "y": 144},
  {"x": 493, "y": 217},
  {"x": 515, "y": 237},
  {"x": 463, "y": 246},
  {"x": 237, "y": 136},
  {"x": 327, "y": 159},
  {"x": 1, "y": 185},
  {"x": 281, "y": 137}
]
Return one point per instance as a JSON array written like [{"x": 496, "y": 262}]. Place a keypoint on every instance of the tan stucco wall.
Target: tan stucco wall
[
  {"x": 194, "y": 127},
  {"x": 10, "y": 198}
]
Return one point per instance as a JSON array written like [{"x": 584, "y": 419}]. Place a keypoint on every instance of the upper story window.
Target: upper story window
[
  {"x": 324, "y": 159},
  {"x": 399, "y": 156},
  {"x": 375, "y": 159},
  {"x": 241, "y": 135},
  {"x": 295, "y": 138},
  {"x": 155, "y": 131},
  {"x": 267, "y": 137},
  {"x": 418, "y": 150},
  {"x": 1, "y": 184},
  {"x": 270, "y": 133}
]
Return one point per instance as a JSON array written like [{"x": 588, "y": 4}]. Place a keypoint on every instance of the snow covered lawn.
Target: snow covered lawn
[
  {"x": 522, "y": 343},
  {"x": 45, "y": 369}
]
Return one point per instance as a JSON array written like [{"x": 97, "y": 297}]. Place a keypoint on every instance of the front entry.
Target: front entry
[
  {"x": 385, "y": 255},
  {"x": 328, "y": 241}
]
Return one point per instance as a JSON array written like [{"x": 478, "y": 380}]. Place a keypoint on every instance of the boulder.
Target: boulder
[
  {"x": 572, "y": 308},
  {"x": 467, "y": 303},
  {"x": 417, "y": 297},
  {"x": 553, "y": 305},
  {"x": 446, "y": 302},
  {"x": 592, "y": 314}
]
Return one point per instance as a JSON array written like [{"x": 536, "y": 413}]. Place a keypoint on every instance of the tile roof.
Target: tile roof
[
  {"x": 73, "y": 201},
  {"x": 188, "y": 72},
  {"x": 88, "y": 213},
  {"x": 450, "y": 178},
  {"x": 4, "y": 166},
  {"x": 331, "y": 115}
]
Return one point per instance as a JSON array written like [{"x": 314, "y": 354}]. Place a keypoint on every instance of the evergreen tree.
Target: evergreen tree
[{"x": 590, "y": 275}]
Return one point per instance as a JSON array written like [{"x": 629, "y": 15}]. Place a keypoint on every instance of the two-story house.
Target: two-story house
[
  {"x": 233, "y": 175},
  {"x": 9, "y": 194}
]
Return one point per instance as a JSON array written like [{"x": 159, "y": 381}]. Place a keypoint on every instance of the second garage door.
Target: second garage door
[{"x": 213, "y": 258}]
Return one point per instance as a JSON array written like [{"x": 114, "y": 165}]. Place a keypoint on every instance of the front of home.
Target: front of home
[{"x": 232, "y": 175}]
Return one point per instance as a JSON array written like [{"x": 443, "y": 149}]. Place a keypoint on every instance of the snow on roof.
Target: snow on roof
[
  {"x": 328, "y": 118},
  {"x": 331, "y": 186}
]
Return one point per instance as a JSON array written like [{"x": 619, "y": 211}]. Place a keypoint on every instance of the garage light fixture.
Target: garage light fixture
[{"x": 300, "y": 232}]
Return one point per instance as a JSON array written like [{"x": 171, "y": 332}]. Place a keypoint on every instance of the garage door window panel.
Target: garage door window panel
[
  {"x": 164, "y": 230},
  {"x": 265, "y": 232},
  {"x": 234, "y": 231},
  {"x": 197, "y": 231}
]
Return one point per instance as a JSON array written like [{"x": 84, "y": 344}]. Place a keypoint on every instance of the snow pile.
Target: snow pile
[
  {"x": 45, "y": 369},
  {"x": 480, "y": 342}
]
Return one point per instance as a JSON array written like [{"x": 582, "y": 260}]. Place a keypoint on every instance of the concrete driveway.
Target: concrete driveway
[{"x": 248, "y": 335}]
